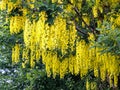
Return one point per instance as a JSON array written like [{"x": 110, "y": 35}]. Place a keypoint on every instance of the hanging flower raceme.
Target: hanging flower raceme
[
  {"x": 3, "y": 4},
  {"x": 9, "y": 5},
  {"x": 16, "y": 24},
  {"x": 31, "y": 3},
  {"x": 95, "y": 11},
  {"x": 42, "y": 40},
  {"x": 25, "y": 57},
  {"x": 61, "y": 49},
  {"x": 16, "y": 54}
]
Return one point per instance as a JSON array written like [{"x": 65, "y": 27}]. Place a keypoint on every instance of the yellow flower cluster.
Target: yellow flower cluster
[
  {"x": 59, "y": 1},
  {"x": 95, "y": 11},
  {"x": 7, "y": 4},
  {"x": 16, "y": 24},
  {"x": 43, "y": 39},
  {"x": 91, "y": 85},
  {"x": 97, "y": 7},
  {"x": 3, "y": 4},
  {"x": 12, "y": 5},
  {"x": 86, "y": 19},
  {"x": 25, "y": 57},
  {"x": 117, "y": 21},
  {"x": 15, "y": 54},
  {"x": 59, "y": 47},
  {"x": 31, "y": 3},
  {"x": 103, "y": 65}
]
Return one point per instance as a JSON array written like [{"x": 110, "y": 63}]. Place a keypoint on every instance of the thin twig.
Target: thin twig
[
  {"x": 77, "y": 28},
  {"x": 77, "y": 11}
]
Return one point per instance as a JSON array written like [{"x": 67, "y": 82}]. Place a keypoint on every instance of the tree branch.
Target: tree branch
[
  {"x": 77, "y": 28},
  {"x": 79, "y": 14}
]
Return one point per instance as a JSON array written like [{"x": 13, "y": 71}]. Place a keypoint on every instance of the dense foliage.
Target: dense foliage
[{"x": 75, "y": 40}]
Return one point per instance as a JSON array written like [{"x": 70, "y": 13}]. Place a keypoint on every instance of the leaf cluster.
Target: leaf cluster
[{"x": 109, "y": 40}]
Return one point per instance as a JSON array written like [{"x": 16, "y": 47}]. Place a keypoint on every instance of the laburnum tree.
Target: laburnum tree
[{"x": 69, "y": 36}]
